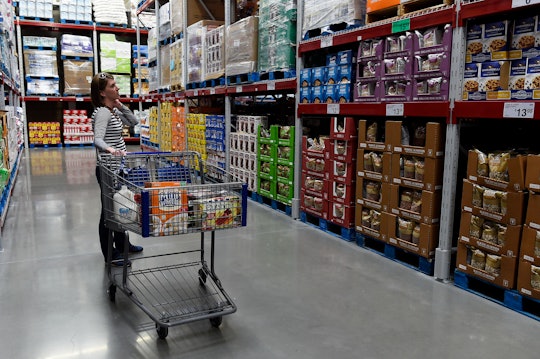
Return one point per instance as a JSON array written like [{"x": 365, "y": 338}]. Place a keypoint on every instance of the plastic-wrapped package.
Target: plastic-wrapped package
[
  {"x": 77, "y": 76},
  {"x": 40, "y": 63},
  {"x": 197, "y": 48},
  {"x": 177, "y": 16},
  {"x": 110, "y": 11},
  {"x": 76, "y": 45},
  {"x": 177, "y": 80},
  {"x": 277, "y": 35},
  {"x": 215, "y": 57},
  {"x": 115, "y": 55},
  {"x": 165, "y": 53},
  {"x": 241, "y": 46},
  {"x": 318, "y": 14}
]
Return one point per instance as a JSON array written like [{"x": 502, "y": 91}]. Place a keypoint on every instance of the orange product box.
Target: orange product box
[
  {"x": 370, "y": 135},
  {"x": 369, "y": 197},
  {"x": 532, "y": 177},
  {"x": 516, "y": 173},
  {"x": 506, "y": 278},
  {"x": 510, "y": 247},
  {"x": 370, "y": 173},
  {"x": 434, "y": 143},
  {"x": 430, "y": 211},
  {"x": 374, "y": 5},
  {"x": 168, "y": 208},
  {"x": 524, "y": 281},
  {"x": 365, "y": 225},
  {"x": 515, "y": 203},
  {"x": 432, "y": 178},
  {"x": 427, "y": 243},
  {"x": 527, "y": 251}
]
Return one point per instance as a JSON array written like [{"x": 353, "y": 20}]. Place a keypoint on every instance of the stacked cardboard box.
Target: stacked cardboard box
[
  {"x": 36, "y": 9},
  {"x": 244, "y": 149},
  {"x": 492, "y": 218},
  {"x": 197, "y": 49},
  {"x": 196, "y": 134},
  {"x": 176, "y": 64},
  {"x": 320, "y": 14},
  {"x": 215, "y": 146},
  {"x": 215, "y": 56},
  {"x": 315, "y": 179},
  {"x": 76, "y": 11},
  {"x": 178, "y": 128},
  {"x": 241, "y": 46},
  {"x": 44, "y": 133},
  {"x": 165, "y": 128},
  {"x": 77, "y": 127}
]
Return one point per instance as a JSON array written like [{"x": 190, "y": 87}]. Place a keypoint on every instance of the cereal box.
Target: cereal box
[{"x": 168, "y": 208}]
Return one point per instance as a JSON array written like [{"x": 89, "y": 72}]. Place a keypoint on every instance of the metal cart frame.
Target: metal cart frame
[{"x": 178, "y": 292}]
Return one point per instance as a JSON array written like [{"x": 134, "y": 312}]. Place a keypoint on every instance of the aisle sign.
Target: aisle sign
[
  {"x": 401, "y": 25},
  {"x": 395, "y": 109},
  {"x": 518, "y": 110},
  {"x": 332, "y": 109},
  {"x": 519, "y": 3},
  {"x": 327, "y": 41},
  {"x": 271, "y": 86}
]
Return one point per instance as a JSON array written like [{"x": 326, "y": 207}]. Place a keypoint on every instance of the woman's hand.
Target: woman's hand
[
  {"x": 117, "y": 104},
  {"x": 115, "y": 152}
]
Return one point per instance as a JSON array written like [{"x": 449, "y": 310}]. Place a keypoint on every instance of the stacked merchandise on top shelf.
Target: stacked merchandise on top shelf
[
  {"x": 140, "y": 64},
  {"x": 152, "y": 60},
  {"x": 77, "y": 128},
  {"x": 77, "y": 57},
  {"x": 492, "y": 218},
  {"x": 413, "y": 66},
  {"x": 215, "y": 146},
  {"x": 277, "y": 35},
  {"x": 164, "y": 19},
  {"x": 164, "y": 32},
  {"x": 197, "y": 49},
  {"x": 399, "y": 184},
  {"x": 215, "y": 57},
  {"x": 110, "y": 12},
  {"x": 209, "y": 10},
  {"x": 241, "y": 46},
  {"x": 502, "y": 60},
  {"x": 331, "y": 83},
  {"x": 176, "y": 65},
  {"x": 10, "y": 63},
  {"x": 76, "y": 11},
  {"x": 36, "y": 10},
  {"x": 319, "y": 16},
  {"x": 244, "y": 149},
  {"x": 115, "y": 58},
  {"x": 41, "y": 69}
]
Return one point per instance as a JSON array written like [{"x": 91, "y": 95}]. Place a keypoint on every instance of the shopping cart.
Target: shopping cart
[{"x": 167, "y": 194}]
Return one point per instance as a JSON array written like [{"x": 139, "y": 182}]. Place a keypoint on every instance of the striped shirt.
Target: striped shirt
[{"x": 107, "y": 127}]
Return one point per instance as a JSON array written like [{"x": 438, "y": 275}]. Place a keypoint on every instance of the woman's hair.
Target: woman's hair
[{"x": 99, "y": 82}]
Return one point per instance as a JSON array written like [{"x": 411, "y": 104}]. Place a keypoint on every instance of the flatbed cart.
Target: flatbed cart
[{"x": 167, "y": 194}]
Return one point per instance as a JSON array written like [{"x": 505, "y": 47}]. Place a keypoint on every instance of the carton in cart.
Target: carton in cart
[
  {"x": 220, "y": 211},
  {"x": 168, "y": 208}
]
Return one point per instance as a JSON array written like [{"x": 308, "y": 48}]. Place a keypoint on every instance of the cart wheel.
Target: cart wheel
[
  {"x": 216, "y": 321},
  {"x": 162, "y": 332},
  {"x": 202, "y": 277},
  {"x": 112, "y": 292}
]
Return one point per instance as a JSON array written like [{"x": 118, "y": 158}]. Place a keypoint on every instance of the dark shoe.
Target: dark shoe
[
  {"x": 120, "y": 262},
  {"x": 135, "y": 249}
]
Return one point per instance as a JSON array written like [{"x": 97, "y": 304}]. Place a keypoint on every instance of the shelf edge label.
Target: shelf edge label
[
  {"x": 520, "y": 3},
  {"x": 518, "y": 109},
  {"x": 395, "y": 109},
  {"x": 327, "y": 41},
  {"x": 271, "y": 86},
  {"x": 332, "y": 109},
  {"x": 401, "y": 25}
]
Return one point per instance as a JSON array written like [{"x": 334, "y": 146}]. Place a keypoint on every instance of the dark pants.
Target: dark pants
[{"x": 118, "y": 237}]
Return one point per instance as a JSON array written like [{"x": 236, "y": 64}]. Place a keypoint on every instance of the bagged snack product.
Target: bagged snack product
[
  {"x": 476, "y": 226},
  {"x": 318, "y": 203},
  {"x": 478, "y": 195},
  {"x": 492, "y": 201},
  {"x": 366, "y": 218},
  {"x": 340, "y": 190},
  {"x": 318, "y": 185},
  {"x": 498, "y": 166},
  {"x": 537, "y": 244},
  {"x": 482, "y": 167},
  {"x": 405, "y": 229},
  {"x": 309, "y": 183},
  {"x": 535, "y": 277},
  {"x": 409, "y": 168},
  {"x": 375, "y": 220},
  {"x": 416, "y": 234},
  {"x": 478, "y": 259},
  {"x": 489, "y": 232},
  {"x": 503, "y": 196},
  {"x": 373, "y": 191},
  {"x": 419, "y": 169},
  {"x": 377, "y": 162},
  {"x": 308, "y": 201},
  {"x": 416, "y": 205},
  {"x": 419, "y": 138},
  {"x": 341, "y": 147},
  {"x": 501, "y": 234},
  {"x": 406, "y": 200},
  {"x": 493, "y": 264},
  {"x": 371, "y": 134}
]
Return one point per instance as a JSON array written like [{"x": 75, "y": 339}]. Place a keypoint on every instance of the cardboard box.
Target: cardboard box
[
  {"x": 524, "y": 285},
  {"x": 306, "y": 95},
  {"x": 516, "y": 173},
  {"x": 341, "y": 172},
  {"x": 378, "y": 145},
  {"x": 314, "y": 205},
  {"x": 314, "y": 186},
  {"x": 305, "y": 78},
  {"x": 361, "y": 197},
  {"x": 429, "y": 237},
  {"x": 434, "y": 146},
  {"x": 527, "y": 252},
  {"x": 385, "y": 176},
  {"x": 342, "y": 193},
  {"x": 506, "y": 278},
  {"x": 431, "y": 89},
  {"x": 341, "y": 214},
  {"x": 312, "y": 153},
  {"x": 441, "y": 43},
  {"x": 367, "y": 91},
  {"x": 369, "y": 230},
  {"x": 532, "y": 176},
  {"x": 343, "y": 128},
  {"x": 374, "y": 5},
  {"x": 343, "y": 151},
  {"x": 433, "y": 174},
  {"x": 168, "y": 208},
  {"x": 316, "y": 166},
  {"x": 510, "y": 248},
  {"x": 515, "y": 204},
  {"x": 430, "y": 211},
  {"x": 533, "y": 211}
]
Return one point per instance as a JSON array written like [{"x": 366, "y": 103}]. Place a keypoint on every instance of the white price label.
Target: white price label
[
  {"x": 327, "y": 41},
  {"x": 79, "y": 99},
  {"x": 332, "y": 108},
  {"x": 518, "y": 110},
  {"x": 395, "y": 109},
  {"x": 212, "y": 91},
  {"x": 520, "y": 3},
  {"x": 196, "y": 93},
  {"x": 271, "y": 86},
  {"x": 238, "y": 88},
  {"x": 43, "y": 98}
]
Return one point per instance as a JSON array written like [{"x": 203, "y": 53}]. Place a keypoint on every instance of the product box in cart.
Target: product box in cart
[{"x": 168, "y": 208}]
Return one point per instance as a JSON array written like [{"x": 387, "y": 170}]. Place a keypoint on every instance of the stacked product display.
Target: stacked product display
[
  {"x": 115, "y": 58},
  {"x": 331, "y": 83},
  {"x": 33, "y": 9},
  {"x": 77, "y": 128},
  {"x": 319, "y": 15},
  {"x": 277, "y": 35},
  {"x": 77, "y": 58},
  {"x": 165, "y": 127},
  {"x": 196, "y": 34},
  {"x": 502, "y": 60},
  {"x": 196, "y": 134},
  {"x": 241, "y": 46},
  {"x": 110, "y": 12},
  {"x": 140, "y": 64},
  {"x": 76, "y": 11},
  {"x": 215, "y": 146},
  {"x": 40, "y": 67},
  {"x": 215, "y": 57},
  {"x": 44, "y": 133},
  {"x": 164, "y": 18},
  {"x": 178, "y": 128},
  {"x": 314, "y": 183},
  {"x": 176, "y": 66},
  {"x": 153, "y": 128},
  {"x": 244, "y": 149},
  {"x": 266, "y": 161}
]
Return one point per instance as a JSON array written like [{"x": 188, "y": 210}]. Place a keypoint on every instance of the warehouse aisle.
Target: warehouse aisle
[{"x": 300, "y": 293}]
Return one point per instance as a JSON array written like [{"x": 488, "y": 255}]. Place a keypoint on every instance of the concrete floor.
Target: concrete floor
[{"x": 300, "y": 292}]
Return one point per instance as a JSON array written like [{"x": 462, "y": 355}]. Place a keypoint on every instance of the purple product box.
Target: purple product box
[
  {"x": 345, "y": 57},
  {"x": 329, "y": 94},
  {"x": 347, "y": 73},
  {"x": 433, "y": 40},
  {"x": 400, "y": 45},
  {"x": 317, "y": 94},
  {"x": 367, "y": 91},
  {"x": 396, "y": 90},
  {"x": 332, "y": 75},
  {"x": 432, "y": 89},
  {"x": 306, "y": 95},
  {"x": 318, "y": 76},
  {"x": 372, "y": 49},
  {"x": 369, "y": 70},
  {"x": 431, "y": 65},
  {"x": 343, "y": 93},
  {"x": 332, "y": 60},
  {"x": 399, "y": 68},
  {"x": 305, "y": 77}
]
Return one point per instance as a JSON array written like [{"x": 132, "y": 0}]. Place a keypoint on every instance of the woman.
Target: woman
[{"x": 107, "y": 122}]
